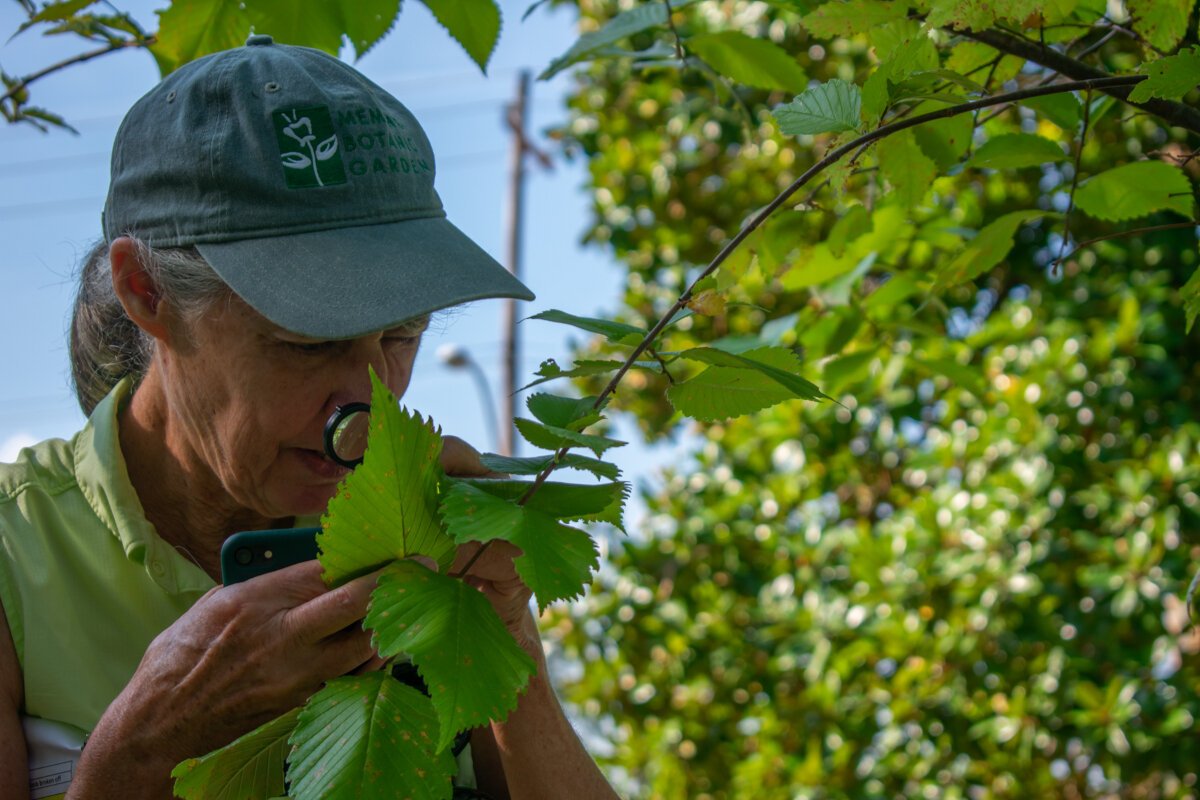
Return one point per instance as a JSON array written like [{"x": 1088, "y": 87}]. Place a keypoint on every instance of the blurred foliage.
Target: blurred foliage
[{"x": 966, "y": 577}]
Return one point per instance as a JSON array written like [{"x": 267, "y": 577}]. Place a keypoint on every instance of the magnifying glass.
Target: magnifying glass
[{"x": 346, "y": 433}]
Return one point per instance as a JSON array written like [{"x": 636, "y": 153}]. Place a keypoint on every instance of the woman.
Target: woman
[{"x": 271, "y": 232}]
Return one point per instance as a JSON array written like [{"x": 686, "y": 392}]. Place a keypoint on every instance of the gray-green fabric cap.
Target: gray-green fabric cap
[{"x": 308, "y": 188}]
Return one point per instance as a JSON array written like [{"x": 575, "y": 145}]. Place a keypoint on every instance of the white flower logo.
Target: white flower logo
[{"x": 300, "y": 129}]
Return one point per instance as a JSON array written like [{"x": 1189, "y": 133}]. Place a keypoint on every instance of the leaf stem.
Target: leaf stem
[
  {"x": 1066, "y": 235},
  {"x": 675, "y": 33},
  {"x": 1123, "y": 234}
]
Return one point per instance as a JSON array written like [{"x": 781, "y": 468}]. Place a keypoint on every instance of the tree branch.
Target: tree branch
[
  {"x": 1124, "y": 234},
  {"x": 20, "y": 85},
  {"x": 832, "y": 157},
  {"x": 1178, "y": 114}
]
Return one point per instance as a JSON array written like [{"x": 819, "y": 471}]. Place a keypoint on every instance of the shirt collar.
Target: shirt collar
[{"x": 104, "y": 480}]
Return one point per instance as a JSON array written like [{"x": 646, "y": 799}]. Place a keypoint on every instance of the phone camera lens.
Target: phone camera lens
[{"x": 243, "y": 556}]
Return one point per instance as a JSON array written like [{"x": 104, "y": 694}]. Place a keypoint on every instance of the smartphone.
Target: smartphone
[{"x": 247, "y": 554}]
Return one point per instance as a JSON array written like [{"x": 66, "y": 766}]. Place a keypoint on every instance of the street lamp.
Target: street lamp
[{"x": 457, "y": 357}]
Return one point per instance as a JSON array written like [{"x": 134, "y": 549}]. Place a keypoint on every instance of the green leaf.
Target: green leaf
[
  {"x": 627, "y": 23},
  {"x": 724, "y": 392},
  {"x": 367, "y": 737},
  {"x": 53, "y": 12},
  {"x": 961, "y": 375},
  {"x": 475, "y": 24},
  {"x": 1062, "y": 109},
  {"x": 615, "y": 332},
  {"x": 1015, "y": 151},
  {"x": 532, "y": 465},
  {"x": 875, "y": 96},
  {"x": 906, "y": 168},
  {"x": 778, "y": 363},
  {"x": 387, "y": 508},
  {"x": 904, "y": 47},
  {"x": 321, "y": 24},
  {"x": 1170, "y": 78},
  {"x": 552, "y": 437},
  {"x": 1162, "y": 22},
  {"x": 848, "y": 18},
  {"x": 556, "y": 560},
  {"x": 847, "y": 370},
  {"x": 570, "y": 502},
  {"x": 818, "y": 266},
  {"x": 249, "y": 768},
  {"x": 833, "y": 106},
  {"x": 572, "y": 413},
  {"x": 895, "y": 291},
  {"x": 1135, "y": 190},
  {"x": 986, "y": 250},
  {"x": 754, "y": 62},
  {"x": 944, "y": 140},
  {"x": 188, "y": 29},
  {"x": 470, "y": 662},
  {"x": 1191, "y": 299},
  {"x": 979, "y": 15},
  {"x": 853, "y": 223},
  {"x": 974, "y": 60}
]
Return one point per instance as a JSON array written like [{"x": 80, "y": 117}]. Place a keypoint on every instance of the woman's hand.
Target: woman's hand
[{"x": 241, "y": 656}]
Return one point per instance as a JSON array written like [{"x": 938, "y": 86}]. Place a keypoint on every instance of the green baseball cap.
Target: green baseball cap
[{"x": 308, "y": 188}]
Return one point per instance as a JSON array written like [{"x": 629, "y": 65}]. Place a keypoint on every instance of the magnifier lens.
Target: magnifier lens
[{"x": 346, "y": 434}]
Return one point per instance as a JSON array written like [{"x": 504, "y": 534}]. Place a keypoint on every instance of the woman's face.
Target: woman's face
[{"x": 249, "y": 400}]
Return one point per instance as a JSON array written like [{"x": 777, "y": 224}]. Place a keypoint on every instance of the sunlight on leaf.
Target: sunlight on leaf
[
  {"x": 1135, "y": 190},
  {"x": 1170, "y": 78},
  {"x": 831, "y": 107},
  {"x": 556, "y": 560},
  {"x": 471, "y": 663},
  {"x": 249, "y": 768},
  {"x": 475, "y": 24},
  {"x": 362, "y": 737},
  {"x": 387, "y": 508}
]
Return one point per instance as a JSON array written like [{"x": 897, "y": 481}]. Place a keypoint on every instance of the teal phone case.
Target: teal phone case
[{"x": 247, "y": 554}]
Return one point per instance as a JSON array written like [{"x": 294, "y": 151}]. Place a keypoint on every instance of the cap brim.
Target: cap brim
[{"x": 346, "y": 282}]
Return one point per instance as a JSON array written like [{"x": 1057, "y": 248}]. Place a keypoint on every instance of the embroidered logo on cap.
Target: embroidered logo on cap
[{"x": 308, "y": 148}]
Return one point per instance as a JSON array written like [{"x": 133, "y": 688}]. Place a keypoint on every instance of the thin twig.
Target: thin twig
[
  {"x": 675, "y": 32},
  {"x": 1124, "y": 234},
  {"x": 830, "y": 158},
  {"x": 1066, "y": 235},
  {"x": 20, "y": 85}
]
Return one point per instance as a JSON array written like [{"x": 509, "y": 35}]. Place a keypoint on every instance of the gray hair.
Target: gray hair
[{"x": 106, "y": 345}]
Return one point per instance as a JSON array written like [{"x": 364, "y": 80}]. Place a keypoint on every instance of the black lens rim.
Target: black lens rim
[{"x": 341, "y": 414}]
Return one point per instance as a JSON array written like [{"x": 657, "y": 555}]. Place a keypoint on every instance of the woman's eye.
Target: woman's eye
[
  {"x": 402, "y": 341},
  {"x": 310, "y": 348}
]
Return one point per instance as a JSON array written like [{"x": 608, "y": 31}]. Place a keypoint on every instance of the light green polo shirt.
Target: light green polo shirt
[{"x": 86, "y": 584}]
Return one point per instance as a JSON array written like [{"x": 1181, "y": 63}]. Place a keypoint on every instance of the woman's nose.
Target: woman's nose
[{"x": 354, "y": 385}]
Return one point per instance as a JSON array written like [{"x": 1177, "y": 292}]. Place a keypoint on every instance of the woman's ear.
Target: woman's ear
[{"x": 136, "y": 290}]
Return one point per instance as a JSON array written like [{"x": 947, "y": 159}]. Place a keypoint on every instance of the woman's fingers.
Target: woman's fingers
[
  {"x": 460, "y": 459},
  {"x": 330, "y": 612}
]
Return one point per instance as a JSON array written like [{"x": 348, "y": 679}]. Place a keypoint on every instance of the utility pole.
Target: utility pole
[{"x": 514, "y": 212}]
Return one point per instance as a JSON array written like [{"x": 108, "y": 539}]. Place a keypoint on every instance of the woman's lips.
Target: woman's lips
[{"x": 317, "y": 463}]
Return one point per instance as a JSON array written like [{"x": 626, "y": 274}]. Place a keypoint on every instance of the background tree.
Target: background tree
[{"x": 965, "y": 578}]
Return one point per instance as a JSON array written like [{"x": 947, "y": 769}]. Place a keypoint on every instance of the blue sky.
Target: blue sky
[{"x": 52, "y": 188}]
